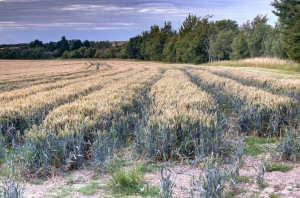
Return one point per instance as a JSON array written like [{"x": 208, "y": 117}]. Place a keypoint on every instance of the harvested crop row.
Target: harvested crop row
[
  {"x": 278, "y": 86},
  {"x": 35, "y": 68},
  {"x": 21, "y": 113},
  {"x": 17, "y": 83},
  {"x": 108, "y": 115},
  {"x": 183, "y": 119},
  {"x": 258, "y": 110},
  {"x": 22, "y": 93}
]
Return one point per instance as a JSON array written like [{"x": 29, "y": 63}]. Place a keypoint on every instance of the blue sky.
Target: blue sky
[{"x": 114, "y": 20}]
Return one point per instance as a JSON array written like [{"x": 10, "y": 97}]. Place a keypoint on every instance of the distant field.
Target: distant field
[
  {"x": 269, "y": 63},
  {"x": 66, "y": 113}
]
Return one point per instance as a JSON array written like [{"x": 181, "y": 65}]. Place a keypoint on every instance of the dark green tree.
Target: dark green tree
[
  {"x": 63, "y": 45},
  {"x": 75, "y": 44},
  {"x": 86, "y": 44},
  {"x": 133, "y": 47},
  {"x": 36, "y": 43},
  {"x": 288, "y": 12}
]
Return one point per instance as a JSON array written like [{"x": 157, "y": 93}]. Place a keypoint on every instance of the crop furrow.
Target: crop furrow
[
  {"x": 183, "y": 121},
  {"x": 257, "y": 109},
  {"x": 22, "y": 93},
  {"x": 290, "y": 88},
  {"x": 110, "y": 113},
  {"x": 22, "y": 113}
]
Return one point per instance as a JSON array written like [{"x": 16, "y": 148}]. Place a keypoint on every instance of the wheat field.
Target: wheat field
[{"x": 65, "y": 113}]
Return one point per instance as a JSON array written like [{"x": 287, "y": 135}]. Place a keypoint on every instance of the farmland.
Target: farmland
[{"x": 57, "y": 117}]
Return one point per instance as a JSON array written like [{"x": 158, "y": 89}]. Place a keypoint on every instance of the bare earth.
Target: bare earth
[{"x": 283, "y": 184}]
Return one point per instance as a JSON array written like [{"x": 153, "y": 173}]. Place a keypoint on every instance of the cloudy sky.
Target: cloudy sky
[{"x": 46, "y": 20}]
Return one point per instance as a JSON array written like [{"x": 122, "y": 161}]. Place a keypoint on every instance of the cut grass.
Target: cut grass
[
  {"x": 271, "y": 167},
  {"x": 90, "y": 189}
]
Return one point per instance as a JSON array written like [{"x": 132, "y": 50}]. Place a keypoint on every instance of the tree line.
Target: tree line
[
  {"x": 198, "y": 40},
  {"x": 61, "y": 49}
]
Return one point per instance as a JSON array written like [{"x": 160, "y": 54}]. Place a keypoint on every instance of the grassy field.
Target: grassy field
[
  {"x": 269, "y": 63},
  {"x": 134, "y": 125}
]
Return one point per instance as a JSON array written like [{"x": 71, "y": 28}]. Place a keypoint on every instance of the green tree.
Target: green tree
[
  {"x": 75, "y": 44},
  {"x": 169, "y": 52},
  {"x": 86, "y": 44},
  {"x": 256, "y": 32},
  {"x": 221, "y": 49},
  {"x": 36, "y": 43},
  {"x": 239, "y": 47},
  {"x": 63, "y": 45},
  {"x": 133, "y": 47},
  {"x": 278, "y": 43},
  {"x": 288, "y": 12},
  {"x": 193, "y": 42}
]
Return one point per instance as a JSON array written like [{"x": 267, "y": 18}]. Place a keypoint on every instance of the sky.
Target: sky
[{"x": 22, "y": 21}]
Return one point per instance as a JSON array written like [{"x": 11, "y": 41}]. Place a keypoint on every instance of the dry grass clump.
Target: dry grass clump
[{"x": 267, "y": 62}]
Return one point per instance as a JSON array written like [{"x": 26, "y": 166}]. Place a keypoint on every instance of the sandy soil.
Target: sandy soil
[{"x": 283, "y": 184}]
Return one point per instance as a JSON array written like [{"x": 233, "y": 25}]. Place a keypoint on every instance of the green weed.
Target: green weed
[
  {"x": 90, "y": 189},
  {"x": 244, "y": 179},
  {"x": 254, "y": 150},
  {"x": 271, "y": 167},
  {"x": 255, "y": 140}
]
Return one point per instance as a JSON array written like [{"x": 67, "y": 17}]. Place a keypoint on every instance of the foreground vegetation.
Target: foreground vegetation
[{"x": 95, "y": 114}]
